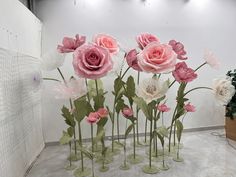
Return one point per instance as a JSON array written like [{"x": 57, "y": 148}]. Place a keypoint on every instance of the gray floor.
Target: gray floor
[{"x": 204, "y": 155}]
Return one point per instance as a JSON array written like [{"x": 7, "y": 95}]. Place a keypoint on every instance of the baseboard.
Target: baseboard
[{"x": 188, "y": 130}]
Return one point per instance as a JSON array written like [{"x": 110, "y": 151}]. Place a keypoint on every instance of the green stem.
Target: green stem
[
  {"x": 163, "y": 152},
  {"x": 51, "y": 79},
  {"x": 178, "y": 151},
  {"x": 156, "y": 149},
  {"x": 174, "y": 132},
  {"x": 200, "y": 66},
  {"x": 92, "y": 149},
  {"x": 125, "y": 72},
  {"x": 197, "y": 88},
  {"x": 81, "y": 144},
  {"x": 118, "y": 127},
  {"x": 70, "y": 153},
  {"x": 63, "y": 78},
  {"x": 134, "y": 142},
  {"x": 171, "y": 127},
  {"x": 145, "y": 131},
  {"x": 172, "y": 84},
  {"x": 150, "y": 146},
  {"x": 86, "y": 83},
  {"x": 137, "y": 112}
]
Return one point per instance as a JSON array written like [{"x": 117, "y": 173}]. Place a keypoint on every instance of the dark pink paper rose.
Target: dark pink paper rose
[
  {"x": 189, "y": 108},
  {"x": 92, "y": 61},
  {"x": 70, "y": 44},
  {"x": 157, "y": 58},
  {"x": 127, "y": 112},
  {"x": 108, "y": 42},
  {"x": 179, "y": 49},
  {"x": 132, "y": 61},
  {"x": 183, "y": 73},
  {"x": 144, "y": 39}
]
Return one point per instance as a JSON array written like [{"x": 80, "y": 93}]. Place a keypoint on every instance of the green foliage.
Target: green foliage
[
  {"x": 231, "y": 107},
  {"x": 65, "y": 139},
  {"x": 86, "y": 152},
  {"x": 100, "y": 136},
  {"x": 83, "y": 108},
  {"x": 161, "y": 133},
  {"x": 143, "y": 106},
  {"x": 99, "y": 101},
  {"x": 180, "y": 128},
  {"x": 69, "y": 118},
  {"x": 128, "y": 130},
  {"x": 130, "y": 89},
  {"x": 92, "y": 88},
  {"x": 120, "y": 105},
  {"x": 70, "y": 131}
]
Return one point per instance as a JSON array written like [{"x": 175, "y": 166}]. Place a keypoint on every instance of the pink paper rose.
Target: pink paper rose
[
  {"x": 157, "y": 58},
  {"x": 70, "y": 44},
  {"x": 132, "y": 60},
  {"x": 184, "y": 74},
  {"x": 107, "y": 42},
  {"x": 163, "y": 108},
  {"x": 179, "y": 49},
  {"x": 102, "y": 112},
  {"x": 144, "y": 39},
  {"x": 189, "y": 108},
  {"x": 211, "y": 59},
  {"x": 127, "y": 112},
  {"x": 92, "y": 61},
  {"x": 92, "y": 117}
]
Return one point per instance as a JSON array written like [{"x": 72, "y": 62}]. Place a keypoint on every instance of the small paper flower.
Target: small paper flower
[
  {"x": 183, "y": 73},
  {"x": 102, "y": 112},
  {"x": 52, "y": 60},
  {"x": 163, "y": 108},
  {"x": 70, "y": 44},
  {"x": 152, "y": 89},
  {"x": 73, "y": 89},
  {"x": 127, "y": 112},
  {"x": 223, "y": 90},
  {"x": 178, "y": 47},
  {"x": 211, "y": 59},
  {"x": 189, "y": 108},
  {"x": 92, "y": 117},
  {"x": 132, "y": 60}
]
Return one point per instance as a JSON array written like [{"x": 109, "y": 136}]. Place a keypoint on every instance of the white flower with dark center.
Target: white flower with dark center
[
  {"x": 52, "y": 60},
  {"x": 223, "y": 90},
  {"x": 152, "y": 89}
]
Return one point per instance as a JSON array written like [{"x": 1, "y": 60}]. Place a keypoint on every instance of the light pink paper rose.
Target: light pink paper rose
[
  {"x": 183, "y": 73},
  {"x": 92, "y": 61},
  {"x": 163, "y": 108},
  {"x": 127, "y": 112},
  {"x": 102, "y": 112},
  {"x": 132, "y": 60},
  {"x": 211, "y": 59},
  {"x": 179, "y": 49},
  {"x": 107, "y": 42},
  {"x": 157, "y": 58},
  {"x": 70, "y": 44},
  {"x": 144, "y": 39},
  {"x": 189, "y": 108},
  {"x": 92, "y": 118}
]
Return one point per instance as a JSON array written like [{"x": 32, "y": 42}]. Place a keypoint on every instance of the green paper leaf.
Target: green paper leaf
[
  {"x": 120, "y": 105},
  {"x": 83, "y": 108},
  {"x": 128, "y": 130},
  {"x": 70, "y": 131},
  {"x": 143, "y": 106},
  {"x": 100, "y": 135},
  {"x": 92, "y": 88},
  {"x": 86, "y": 152},
  {"x": 180, "y": 128},
  {"x": 98, "y": 101},
  {"x": 69, "y": 118},
  {"x": 162, "y": 130},
  {"x": 101, "y": 123},
  {"x": 65, "y": 139},
  {"x": 130, "y": 89},
  {"x": 118, "y": 84}
]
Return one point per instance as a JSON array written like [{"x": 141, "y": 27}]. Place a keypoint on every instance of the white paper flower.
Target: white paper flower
[
  {"x": 211, "y": 59},
  {"x": 73, "y": 89},
  {"x": 223, "y": 90},
  {"x": 152, "y": 89},
  {"x": 52, "y": 60}
]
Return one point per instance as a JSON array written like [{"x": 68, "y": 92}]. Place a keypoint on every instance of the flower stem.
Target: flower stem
[
  {"x": 197, "y": 89},
  {"x": 81, "y": 144},
  {"x": 145, "y": 131},
  {"x": 134, "y": 142},
  {"x": 171, "y": 126},
  {"x": 137, "y": 112},
  {"x": 63, "y": 78},
  {"x": 172, "y": 84},
  {"x": 92, "y": 149},
  {"x": 200, "y": 66},
  {"x": 150, "y": 145},
  {"x": 86, "y": 83},
  {"x": 70, "y": 153},
  {"x": 125, "y": 72},
  {"x": 51, "y": 79},
  {"x": 118, "y": 127}
]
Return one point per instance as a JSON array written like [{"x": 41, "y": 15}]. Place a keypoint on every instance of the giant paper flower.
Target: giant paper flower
[
  {"x": 52, "y": 60},
  {"x": 152, "y": 89},
  {"x": 73, "y": 89},
  {"x": 223, "y": 90},
  {"x": 211, "y": 59},
  {"x": 92, "y": 61},
  {"x": 178, "y": 47},
  {"x": 107, "y": 42},
  {"x": 157, "y": 58},
  {"x": 144, "y": 39},
  {"x": 183, "y": 73},
  {"x": 132, "y": 60},
  {"x": 70, "y": 44}
]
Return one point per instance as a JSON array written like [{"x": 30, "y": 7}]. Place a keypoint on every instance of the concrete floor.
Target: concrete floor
[{"x": 205, "y": 155}]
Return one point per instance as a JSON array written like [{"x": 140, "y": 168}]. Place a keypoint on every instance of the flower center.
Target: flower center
[{"x": 151, "y": 89}]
